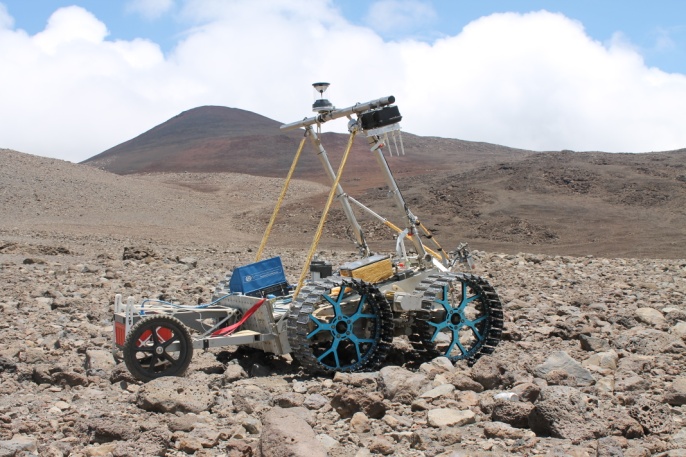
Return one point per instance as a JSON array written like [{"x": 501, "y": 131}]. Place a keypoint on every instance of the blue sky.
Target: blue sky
[{"x": 546, "y": 75}]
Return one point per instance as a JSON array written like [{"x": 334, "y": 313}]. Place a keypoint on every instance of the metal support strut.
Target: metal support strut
[{"x": 360, "y": 242}]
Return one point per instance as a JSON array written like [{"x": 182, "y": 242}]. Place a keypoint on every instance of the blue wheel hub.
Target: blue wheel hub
[
  {"x": 461, "y": 324},
  {"x": 345, "y": 342}
]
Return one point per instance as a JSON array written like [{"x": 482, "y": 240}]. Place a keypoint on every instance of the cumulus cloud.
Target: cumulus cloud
[
  {"x": 534, "y": 81},
  {"x": 72, "y": 24},
  {"x": 150, "y": 9}
]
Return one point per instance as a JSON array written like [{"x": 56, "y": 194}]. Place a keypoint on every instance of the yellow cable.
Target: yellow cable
[
  {"x": 322, "y": 220},
  {"x": 430, "y": 236},
  {"x": 279, "y": 201}
]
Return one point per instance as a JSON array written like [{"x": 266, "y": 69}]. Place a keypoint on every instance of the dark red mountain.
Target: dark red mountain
[{"x": 221, "y": 139}]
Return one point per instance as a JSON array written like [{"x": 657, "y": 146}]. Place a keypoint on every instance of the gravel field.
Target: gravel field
[{"x": 593, "y": 348}]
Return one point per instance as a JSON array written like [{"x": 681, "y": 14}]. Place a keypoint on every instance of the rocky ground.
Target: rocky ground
[
  {"x": 591, "y": 362},
  {"x": 594, "y": 351}
]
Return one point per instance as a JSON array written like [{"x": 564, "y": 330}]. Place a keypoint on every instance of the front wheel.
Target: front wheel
[
  {"x": 340, "y": 326},
  {"x": 461, "y": 318},
  {"x": 157, "y": 346}
]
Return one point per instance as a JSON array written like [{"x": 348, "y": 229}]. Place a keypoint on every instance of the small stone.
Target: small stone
[
  {"x": 631, "y": 383},
  {"x": 401, "y": 385},
  {"x": 650, "y": 316},
  {"x": 675, "y": 394},
  {"x": 315, "y": 401},
  {"x": 17, "y": 444},
  {"x": 420, "y": 405},
  {"x": 446, "y": 417},
  {"x": 189, "y": 444},
  {"x": 349, "y": 401},
  {"x": 488, "y": 372},
  {"x": 679, "y": 330},
  {"x": 368, "y": 381},
  {"x": 190, "y": 261},
  {"x": 527, "y": 391},
  {"x": 289, "y": 399},
  {"x": 443, "y": 390},
  {"x": 360, "y": 422},
  {"x": 560, "y": 365},
  {"x": 237, "y": 448},
  {"x": 285, "y": 433},
  {"x": 606, "y": 360},
  {"x": 62, "y": 405},
  {"x": 300, "y": 387},
  {"x": 437, "y": 366},
  {"x": 463, "y": 382},
  {"x": 605, "y": 384},
  {"x": 326, "y": 441},
  {"x": 100, "y": 450},
  {"x": 99, "y": 359},
  {"x": 381, "y": 445},
  {"x": 593, "y": 344},
  {"x": 514, "y": 413},
  {"x": 654, "y": 417},
  {"x": 251, "y": 425},
  {"x": 233, "y": 373},
  {"x": 449, "y": 435},
  {"x": 505, "y": 431}
]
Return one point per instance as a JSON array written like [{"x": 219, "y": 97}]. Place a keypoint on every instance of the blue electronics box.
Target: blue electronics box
[{"x": 260, "y": 278}]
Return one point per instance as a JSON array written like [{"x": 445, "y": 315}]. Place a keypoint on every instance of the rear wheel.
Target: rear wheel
[
  {"x": 158, "y": 346},
  {"x": 461, "y": 318}
]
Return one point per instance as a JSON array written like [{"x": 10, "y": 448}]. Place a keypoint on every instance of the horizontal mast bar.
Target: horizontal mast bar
[{"x": 335, "y": 114}]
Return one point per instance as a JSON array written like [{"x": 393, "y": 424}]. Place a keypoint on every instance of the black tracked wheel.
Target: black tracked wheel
[
  {"x": 157, "y": 346},
  {"x": 461, "y": 318},
  {"x": 337, "y": 325}
]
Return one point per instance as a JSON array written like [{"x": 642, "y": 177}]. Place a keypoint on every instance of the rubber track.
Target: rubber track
[
  {"x": 491, "y": 305},
  {"x": 299, "y": 318}
]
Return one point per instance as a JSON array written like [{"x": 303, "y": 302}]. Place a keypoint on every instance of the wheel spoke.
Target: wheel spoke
[
  {"x": 320, "y": 326},
  {"x": 356, "y": 342},
  {"x": 467, "y": 300},
  {"x": 363, "y": 300},
  {"x": 459, "y": 324},
  {"x": 438, "y": 327},
  {"x": 472, "y": 325},
  {"x": 171, "y": 340},
  {"x": 155, "y": 337},
  {"x": 445, "y": 301},
  {"x": 168, "y": 357},
  {"x": 332, "y": 350},
  {"x": 336, "y": 304},
  {"x": 456, "y": 338},
  {"x": 153, "y": 362}
]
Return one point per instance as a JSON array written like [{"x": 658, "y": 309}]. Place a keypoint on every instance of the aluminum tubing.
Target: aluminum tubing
[{"x": 337, "y": 113}]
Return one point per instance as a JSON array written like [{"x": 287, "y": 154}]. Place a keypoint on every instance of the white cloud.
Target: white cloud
[
  {"x": 663, "y": 40},
  {"x": 68, "y": 25},
  {"x": 6, "y": 21},
  {"x": 398, "y": 15},
  {"x": 532, "y": 81},
  {"x": 150, "y": 9}
]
